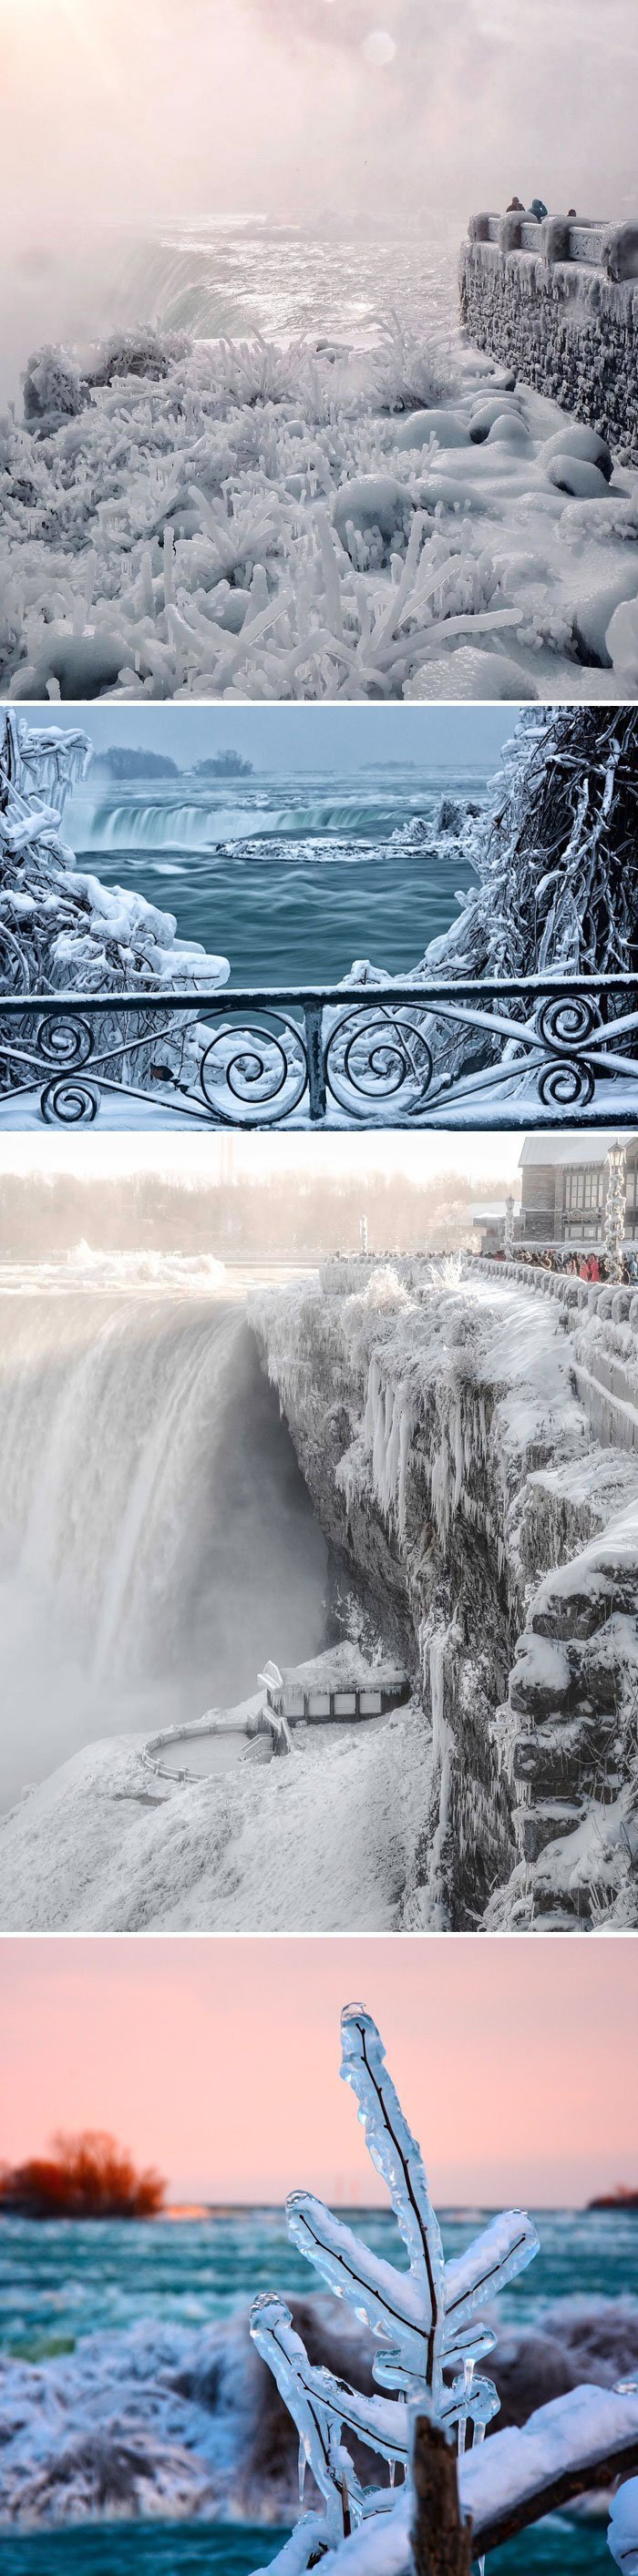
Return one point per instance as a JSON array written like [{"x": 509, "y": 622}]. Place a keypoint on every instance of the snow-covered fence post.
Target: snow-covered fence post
[
  {"x": 441, "y": 2538},
  {"x": 616, "y": 1209},
  {"x": 508, "y": 1231}
]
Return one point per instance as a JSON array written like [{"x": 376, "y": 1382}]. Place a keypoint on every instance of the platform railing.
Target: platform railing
[{"x": 531, "y": 1051}]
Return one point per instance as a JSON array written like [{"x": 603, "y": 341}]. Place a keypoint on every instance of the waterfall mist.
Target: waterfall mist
[{"x": 156, "y": 1538}]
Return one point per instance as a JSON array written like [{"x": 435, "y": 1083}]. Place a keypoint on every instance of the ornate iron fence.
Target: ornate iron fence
[{"x": 537, "y": 1051}]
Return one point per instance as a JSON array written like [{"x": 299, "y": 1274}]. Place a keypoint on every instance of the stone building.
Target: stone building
[{"x": 564, "y": 1188}]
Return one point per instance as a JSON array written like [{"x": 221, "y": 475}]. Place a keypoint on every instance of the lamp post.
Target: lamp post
[{"x": 615, "y": 1209}]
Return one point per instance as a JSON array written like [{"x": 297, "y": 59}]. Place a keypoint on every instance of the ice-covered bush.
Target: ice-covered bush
[
  {"x": 412, "y": 370},
  {"x": 53, "y": 387},
  {"x": 556, "y": 853},
  {"x": 61, "y": 931}
]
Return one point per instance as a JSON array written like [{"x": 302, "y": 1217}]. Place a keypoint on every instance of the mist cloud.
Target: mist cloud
[{"x": 126, "y": 113}]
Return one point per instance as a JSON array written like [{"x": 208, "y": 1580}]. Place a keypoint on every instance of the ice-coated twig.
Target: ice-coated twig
[{"x": 422, "y": 2314}]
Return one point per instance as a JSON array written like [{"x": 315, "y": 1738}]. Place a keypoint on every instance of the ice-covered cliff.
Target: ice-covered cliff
[
  {"x": 476, "y": 1512},
  {"x": 469, "y": 1454}
]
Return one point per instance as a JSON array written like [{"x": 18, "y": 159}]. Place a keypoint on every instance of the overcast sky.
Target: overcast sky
[
  {"x": 218, "y": 2060},
  {"x": 304, "y": 738},
  {"x": 120, "y": 110},
  {"x": 196, "y": 1159}
]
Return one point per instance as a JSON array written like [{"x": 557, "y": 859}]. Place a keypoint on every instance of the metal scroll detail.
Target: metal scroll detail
[
  {"x": 530, "y": 1052},
  {"x": 255, "y": 1074},
  {"x": 374, "y": 1060}
]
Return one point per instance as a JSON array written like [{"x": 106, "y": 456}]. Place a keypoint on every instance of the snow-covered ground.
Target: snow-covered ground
[
  {"x": 277, "y": 520},
  {"x": 320, "y": 1842}
]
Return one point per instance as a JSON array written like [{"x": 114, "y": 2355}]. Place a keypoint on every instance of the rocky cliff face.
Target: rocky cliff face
[{"x": 476, "y": 1523}]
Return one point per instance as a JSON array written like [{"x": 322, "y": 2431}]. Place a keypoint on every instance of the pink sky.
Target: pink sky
[{"x": 218, "y": 2059}]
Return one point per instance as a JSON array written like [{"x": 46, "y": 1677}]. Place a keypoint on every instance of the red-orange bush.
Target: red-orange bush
[{"x": 87, "y": 2177}]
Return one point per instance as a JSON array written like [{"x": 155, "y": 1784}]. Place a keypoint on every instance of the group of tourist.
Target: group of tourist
[
  {"x": 535, "y": 214},
  {"x": 592, "y": 1266}
]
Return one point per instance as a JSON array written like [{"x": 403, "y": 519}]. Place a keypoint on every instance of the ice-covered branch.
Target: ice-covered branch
[{"x": 421, "y": 2315}]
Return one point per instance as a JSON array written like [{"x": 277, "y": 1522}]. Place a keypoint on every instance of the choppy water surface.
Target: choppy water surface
[
  {"x": 556, "y": 2548},
  {"x": 243, "y": 275},
  {"x": 291, "y": 877},
  {"x": 59, "y": 2282}
]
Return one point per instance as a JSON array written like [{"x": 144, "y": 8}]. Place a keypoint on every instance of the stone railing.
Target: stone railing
[
  {"x": 605, "y": 1378},
  {"x": 557, "y": 303}
]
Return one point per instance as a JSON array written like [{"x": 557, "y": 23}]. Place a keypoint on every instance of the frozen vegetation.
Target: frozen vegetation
[
  {"x": 279, "y": 520},
  {"x": 431, "y": 2335},
  {"x": 61, "y": 930},
  {"x": 478, "y": 1499}
]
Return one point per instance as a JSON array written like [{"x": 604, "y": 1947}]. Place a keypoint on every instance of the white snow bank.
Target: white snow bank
[
  {"x": 322, "y": 1842},
  {"x": 511, "y": 2468},
  {"x": 623, "y": 2527}
]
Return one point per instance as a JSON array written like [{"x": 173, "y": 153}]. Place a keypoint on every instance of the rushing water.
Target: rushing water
[
  {"x": 156, "y": 1538},
  {"x": 234, "y": 277},
  {"x": 61, "y": 2282},
  {"x": 291, "y": 877},
  {"x": 556, "y": 2548}
]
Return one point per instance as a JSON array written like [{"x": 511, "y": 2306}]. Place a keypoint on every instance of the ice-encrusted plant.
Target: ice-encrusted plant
[
  {"x": 61, "y": 931},
  {"x": 425, "y": 2318}
]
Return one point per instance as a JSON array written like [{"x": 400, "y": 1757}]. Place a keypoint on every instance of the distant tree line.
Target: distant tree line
[
  {"x": 86, "y": 2177},
  {"x": 123, "y": 761},
  {"x": 286, "y": 1214}
]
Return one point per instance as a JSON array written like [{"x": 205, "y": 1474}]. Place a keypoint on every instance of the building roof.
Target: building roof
[
  {"x": 480, "y": 1215},
  {"x": 564, "y": 1151}
]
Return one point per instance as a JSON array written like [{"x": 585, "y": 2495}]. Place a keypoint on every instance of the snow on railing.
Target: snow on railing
[
  {"x": 590, "y": 242},
  {"x": 535, "y": 1051}
]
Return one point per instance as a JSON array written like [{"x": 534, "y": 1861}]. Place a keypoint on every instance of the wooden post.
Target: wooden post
[{"x": 441, "y": 2540}]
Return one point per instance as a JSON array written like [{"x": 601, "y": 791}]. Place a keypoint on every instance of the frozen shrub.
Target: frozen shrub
[
  {"x": 412, "y": 372},
  {"x": 53, "y": 387},
  {"x": 140, "y": 352}
]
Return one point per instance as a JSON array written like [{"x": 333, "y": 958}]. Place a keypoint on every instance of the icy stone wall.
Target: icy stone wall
[
  {"x": 471, "y": 1511},
  {"x": 605, "y": 1361},
  {"x": 557, "y": 303}
]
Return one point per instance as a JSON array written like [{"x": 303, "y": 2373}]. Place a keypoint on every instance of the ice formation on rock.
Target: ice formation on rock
[{"x": 473, "y": 1472}]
